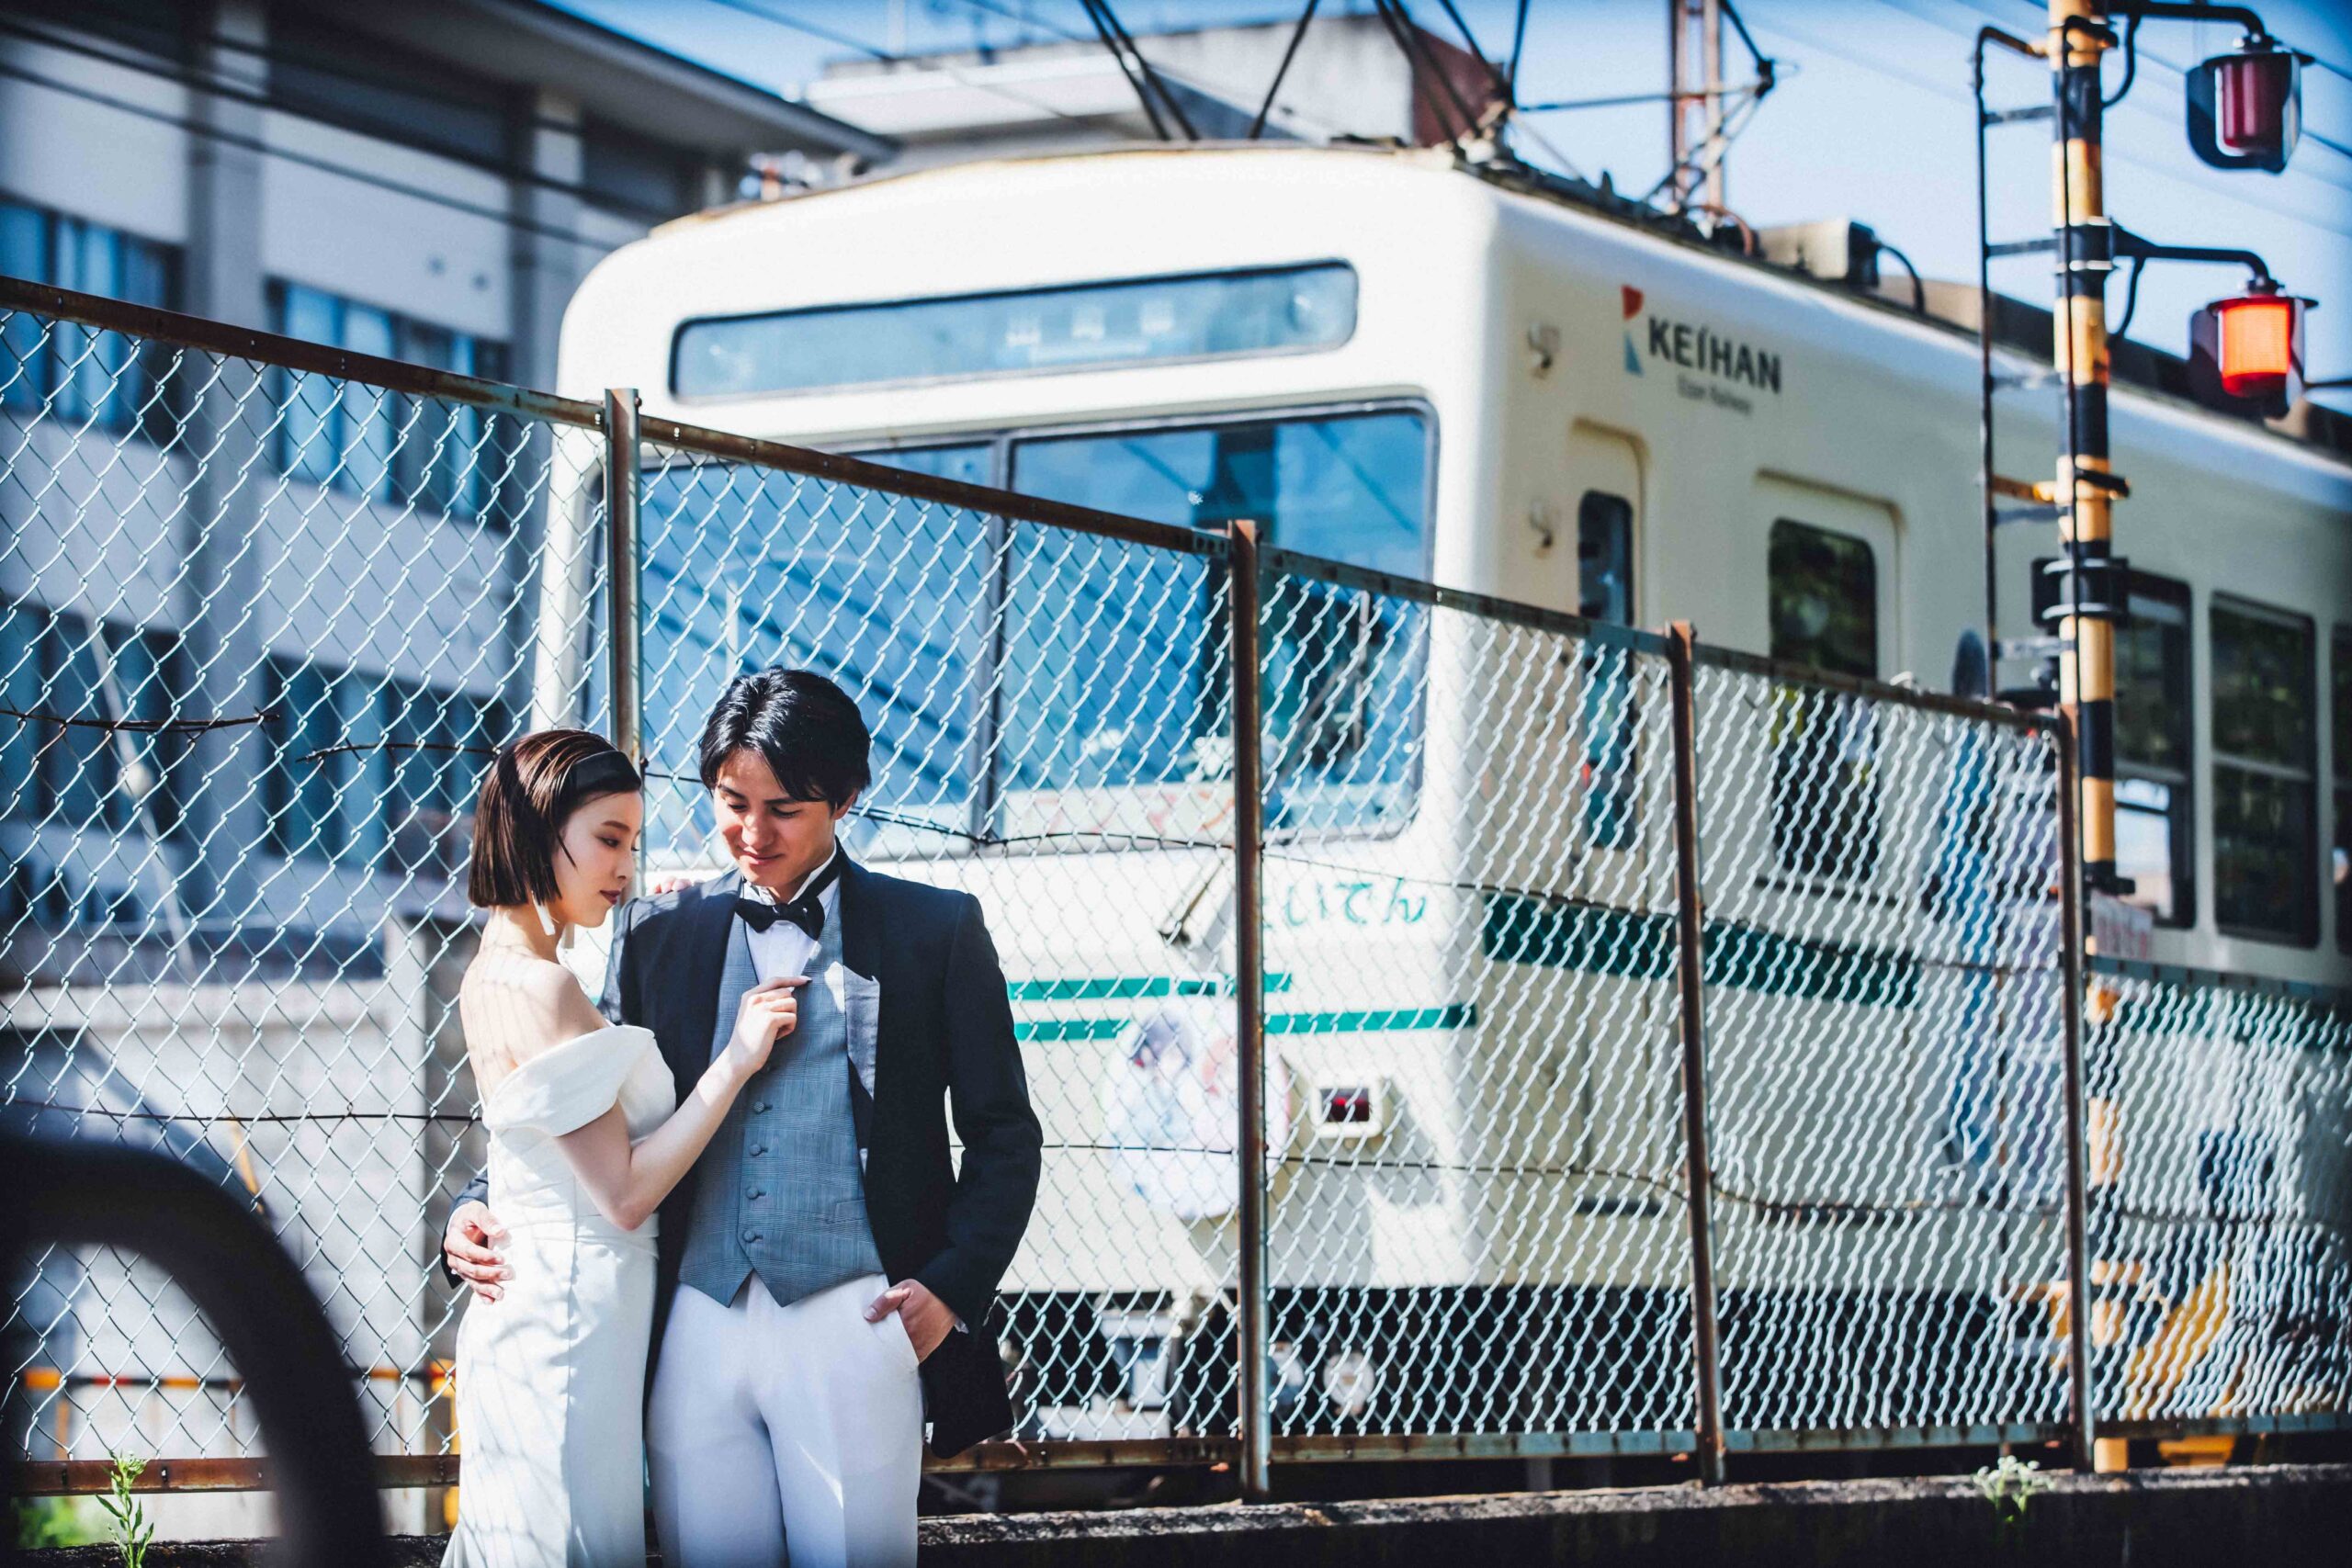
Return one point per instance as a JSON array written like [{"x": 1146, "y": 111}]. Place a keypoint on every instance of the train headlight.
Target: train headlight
[{"x": 2246, "y": 109}]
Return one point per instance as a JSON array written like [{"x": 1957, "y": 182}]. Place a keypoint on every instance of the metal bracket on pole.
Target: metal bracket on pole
[
  {"x": 1698, "y": 1174},
  {"x": 1256, "y": 1420}
]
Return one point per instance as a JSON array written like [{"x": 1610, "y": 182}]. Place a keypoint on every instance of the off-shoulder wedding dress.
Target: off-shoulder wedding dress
[{"x": 552, "y": 1375}]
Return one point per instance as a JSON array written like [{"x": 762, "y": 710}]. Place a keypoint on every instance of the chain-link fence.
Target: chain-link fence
[
  {"x": 2220, "y": 1123},
  {"x": 1544, "y": 908},
  {"x": 264, "y": 622},
  {"x": 1887, "y": 1058}
]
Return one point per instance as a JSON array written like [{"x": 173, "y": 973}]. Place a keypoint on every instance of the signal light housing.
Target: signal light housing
[
  {"x": 2246, "y": 352},
  {"x": 2245, "y": 110}
]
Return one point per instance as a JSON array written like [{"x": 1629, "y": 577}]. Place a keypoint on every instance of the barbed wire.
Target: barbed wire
[{"x": 140, "y": 725}]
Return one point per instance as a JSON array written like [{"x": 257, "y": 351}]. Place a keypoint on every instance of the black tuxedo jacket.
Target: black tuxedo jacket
[{"x": 943, "y": 1044}]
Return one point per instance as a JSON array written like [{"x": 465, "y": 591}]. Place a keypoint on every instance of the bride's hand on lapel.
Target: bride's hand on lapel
[
  {"x": 927, "y": 1319},
  {"x": 770, "y": 1011}
]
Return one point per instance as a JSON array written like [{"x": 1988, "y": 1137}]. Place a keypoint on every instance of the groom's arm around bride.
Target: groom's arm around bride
[{"x": 920, "y": 1009}]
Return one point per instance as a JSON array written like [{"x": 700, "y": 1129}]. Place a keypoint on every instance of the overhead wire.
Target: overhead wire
[
  {"x": 1126, "y": 40},
  {"x": 1138, "y": 84},
  {"x": 1297, "y": 37},
  {"x": 883, "y": 56},
  {"x": 1958, "y": 94}
]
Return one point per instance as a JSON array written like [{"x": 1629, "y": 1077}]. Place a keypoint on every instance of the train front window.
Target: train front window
[
  {"x": 1116, "y": 715},
  {"x": 2264, "y": 809},
  {"x": 744, "y": 568},
  {"x": 1132, "y": 322}
]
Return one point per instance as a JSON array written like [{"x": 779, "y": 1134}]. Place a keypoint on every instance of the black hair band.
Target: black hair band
[{"x": 607, "y": 772}]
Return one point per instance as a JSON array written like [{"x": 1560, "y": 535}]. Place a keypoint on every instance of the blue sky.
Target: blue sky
[{"x": 1873, "y": 124}]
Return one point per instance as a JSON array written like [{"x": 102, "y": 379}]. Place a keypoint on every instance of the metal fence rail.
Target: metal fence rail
[{"x": 1636, "y": 1047}]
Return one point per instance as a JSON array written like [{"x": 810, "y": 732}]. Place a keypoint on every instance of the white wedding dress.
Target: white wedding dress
[{"x": 552, "y": 1375}]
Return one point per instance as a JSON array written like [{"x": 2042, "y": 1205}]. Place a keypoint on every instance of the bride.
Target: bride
[{"x": 586, "y": 1138}]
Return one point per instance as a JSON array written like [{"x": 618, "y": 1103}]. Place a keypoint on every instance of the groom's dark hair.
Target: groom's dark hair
[{"x": 806, "y": 728}]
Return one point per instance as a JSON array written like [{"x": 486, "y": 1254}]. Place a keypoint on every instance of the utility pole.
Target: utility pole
[
  {"x": 1694, "y": 105},
  {"x": 2091, "y": 584}
]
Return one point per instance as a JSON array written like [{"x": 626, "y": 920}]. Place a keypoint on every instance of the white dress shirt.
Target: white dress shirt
[{"x": 784, "y": 947}]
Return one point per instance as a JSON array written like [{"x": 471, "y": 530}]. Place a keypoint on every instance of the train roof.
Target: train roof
[{"x": 2017, "y": 324}]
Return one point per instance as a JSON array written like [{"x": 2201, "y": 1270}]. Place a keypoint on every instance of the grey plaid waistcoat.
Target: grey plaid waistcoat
[{"x": 781, "y": 1192}]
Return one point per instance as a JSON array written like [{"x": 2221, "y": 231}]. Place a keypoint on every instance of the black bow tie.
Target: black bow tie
[{"x": 806, "y": 911}]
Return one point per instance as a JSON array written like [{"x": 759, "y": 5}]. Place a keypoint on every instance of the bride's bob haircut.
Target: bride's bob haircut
[{"x": 533, "y": 787}]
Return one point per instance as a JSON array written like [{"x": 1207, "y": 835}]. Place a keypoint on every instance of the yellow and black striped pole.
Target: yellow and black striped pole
[{"x": 2091, "y": 588}]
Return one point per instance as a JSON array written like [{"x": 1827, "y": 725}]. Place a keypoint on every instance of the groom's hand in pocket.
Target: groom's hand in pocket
[
  {"x": 468, "y": 1246},
  {"x": 927, "y": 1319}
]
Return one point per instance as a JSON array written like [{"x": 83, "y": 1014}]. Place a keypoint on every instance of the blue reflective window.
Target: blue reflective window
[
  {"x": 1095, "y": 698},
  {"x": 744, "y": 568},
  {"x": 436, "y": 746},
  {"x": 20, "y": 679},
  {"x": 1084, "y": 326},
  {"x": 84, "y": 375},
  {"x": 323, "y": 799},
  {"x": 429, "y": 455}
]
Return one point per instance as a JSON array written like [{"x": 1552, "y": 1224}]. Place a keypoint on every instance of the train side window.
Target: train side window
[
  {"x": 2340, "y": 728},
  {"x": 1605, "y": 558},
  {"x": 1607, "y": 774},
  {"x": 2155, "y": 827},
  {"x": 2264, "y": 764},
  {"x": 1822, "y": 589}
]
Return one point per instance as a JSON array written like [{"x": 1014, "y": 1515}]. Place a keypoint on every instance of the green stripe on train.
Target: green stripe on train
[
  {"x": 1127, "y": 988},
  {"x": 1599, "y": 940},
  {"x": 1359, "y": 1021}
]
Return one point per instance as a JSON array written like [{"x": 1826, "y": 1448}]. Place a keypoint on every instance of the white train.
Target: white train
[{"x": 1392, "y": 361}]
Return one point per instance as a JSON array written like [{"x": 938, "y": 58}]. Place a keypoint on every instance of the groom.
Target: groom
[{"x": 825, "y": 1246}]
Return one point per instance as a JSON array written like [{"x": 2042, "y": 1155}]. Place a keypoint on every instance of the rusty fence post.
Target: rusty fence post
[
  {"x": 1699, "y": 1175},
  {"x": 621, "y": 493},
  {"x": 1243, "y": 600},
  {"x": 2072, "y": 978}
]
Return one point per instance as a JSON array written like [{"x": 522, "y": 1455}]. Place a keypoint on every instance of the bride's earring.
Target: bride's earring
[{"x": 547, "y": 921}]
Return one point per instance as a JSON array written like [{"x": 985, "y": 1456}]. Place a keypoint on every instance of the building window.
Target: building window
[
  {"x": 438, "y": 743},
  {"x": 2156, "y": 829},
  {"x": 77, "y": 373},
  {"x": 364, "y": 83},
  {"x": 435, "y": 457},
  {"x": 2265, "y": 841},
  {"x": 648, "y": 178},
  {"x": 1823, "y": 593},
  {"x": 81, "y": 775},
  {"x": 321, "y": 798},
  {"x": 2340, "y": 732}
]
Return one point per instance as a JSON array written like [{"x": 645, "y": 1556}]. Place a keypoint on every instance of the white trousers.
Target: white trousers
[{"x": 781, "y": 1434}]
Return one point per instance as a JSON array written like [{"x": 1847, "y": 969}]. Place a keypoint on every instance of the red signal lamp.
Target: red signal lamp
[
  {"x": 2247, "y": 352},
  {"x": 2246, "y": 109}
]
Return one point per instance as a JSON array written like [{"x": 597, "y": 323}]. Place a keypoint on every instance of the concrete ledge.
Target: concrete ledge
[{"x": 2235, "y": 1517}]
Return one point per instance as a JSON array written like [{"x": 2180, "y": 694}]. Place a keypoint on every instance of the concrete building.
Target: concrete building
[{"x": 228, "y": 946}]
